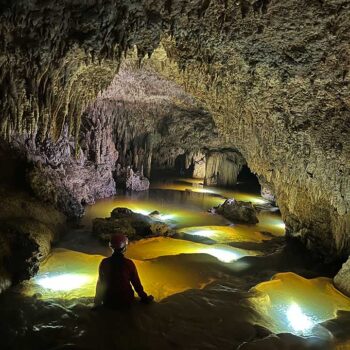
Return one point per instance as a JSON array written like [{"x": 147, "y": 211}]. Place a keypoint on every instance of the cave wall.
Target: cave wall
[
  {"x": 275, "y": 76},
  {"x": 276, "y": 79},
  {"x": 148, "y": 120}
]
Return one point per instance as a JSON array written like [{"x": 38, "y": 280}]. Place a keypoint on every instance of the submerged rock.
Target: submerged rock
[
  {"x": 133, "y": 225},
  {"x": 238, "y": 211},
  {"x": 342, "y": 279}
]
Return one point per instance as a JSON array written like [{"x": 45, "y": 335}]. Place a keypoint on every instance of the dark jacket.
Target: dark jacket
[{"x": 117, "y": 276}]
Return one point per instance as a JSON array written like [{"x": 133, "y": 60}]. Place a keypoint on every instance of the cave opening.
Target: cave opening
[{"x": 248, "y": 179}]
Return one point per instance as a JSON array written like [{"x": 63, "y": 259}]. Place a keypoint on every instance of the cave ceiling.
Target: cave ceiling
[{"x": 273, "y": 74}]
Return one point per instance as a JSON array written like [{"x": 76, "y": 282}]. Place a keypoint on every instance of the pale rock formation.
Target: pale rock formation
[
  {"x": 342, "y": 279},
  {"x": 222, "y": 168},
  {"x": 150, "y": 120},
  {"x": 238, "y": 211},
  {"x": 267, "y": 194},
  {"x": 198, "y": 161},
  {"x": 136, "y": 181}
]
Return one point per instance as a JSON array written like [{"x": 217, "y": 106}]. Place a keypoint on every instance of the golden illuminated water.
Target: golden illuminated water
[
  {"x": 296, "y": 304},
  {"x": 168, "y": 266},
  {"x": 68, "y": 274}
]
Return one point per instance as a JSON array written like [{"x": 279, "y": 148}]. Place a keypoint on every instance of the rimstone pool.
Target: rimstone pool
[{"x": 228, "y": 264}]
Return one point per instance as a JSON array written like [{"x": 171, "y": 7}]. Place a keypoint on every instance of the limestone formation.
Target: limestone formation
[
  {"x": 342, "y": 279},
  {"x": 267, "y": 194},
  {"x": 136, "y": 181},
  {"x": 273, "y": 74},
  {"x": 222, "y": 168},
  {"x": 24, "y": 243},
  {"x": 133, "y": 225},
  {"x": 150, "y": 120},
  {"x": 199, "y": 164},
  {"x": 238, "y": 211}
]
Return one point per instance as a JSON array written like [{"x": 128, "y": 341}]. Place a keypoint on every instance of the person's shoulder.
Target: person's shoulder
[
  {"x": 129, "y": 262},
  {"x": 105, "y": 261}
]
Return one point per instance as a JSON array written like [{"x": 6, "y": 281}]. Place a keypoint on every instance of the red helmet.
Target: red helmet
[{"x": 118, "y": 242}]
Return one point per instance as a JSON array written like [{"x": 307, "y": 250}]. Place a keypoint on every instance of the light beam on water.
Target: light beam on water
[
  {"x": 298, "y": 320},
  {"x": 297, "y": 305},
  {"x": 63, "y": 282}
]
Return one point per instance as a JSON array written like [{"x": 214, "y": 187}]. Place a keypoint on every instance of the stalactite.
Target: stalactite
[{"x": 222, "y": 168}]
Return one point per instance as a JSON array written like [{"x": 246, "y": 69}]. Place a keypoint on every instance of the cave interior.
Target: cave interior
[{"x": 215, "y": 135}]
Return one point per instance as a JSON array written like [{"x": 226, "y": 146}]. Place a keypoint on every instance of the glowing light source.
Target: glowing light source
[
  {"x": 202, "y": 233},
  {"x": 298, "y": 320},
  {"x": 203, "y": 190},
  {"x": 63, "y": 282},
  {"x": 313, "y": 301},
  {"x": 221, "y": 254},
  {"x": 259, "y": 201},
  {"x": 166, "y": 217},
  {"x": 141, "y": 211}
]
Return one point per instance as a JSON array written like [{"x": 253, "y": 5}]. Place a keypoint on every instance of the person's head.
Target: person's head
[{"x": 118, "y": 243}]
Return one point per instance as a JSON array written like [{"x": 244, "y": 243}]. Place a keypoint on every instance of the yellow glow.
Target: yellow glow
[
  {"x": 281, "y": 225},
  {"x": 202, "y": 190},
  {"x": 141, "y": 211},
  {"x": 161, "y": 246},
  {"x": 189, "y": 213},
  {"x": 200, "y": 232},
  {"x": 191, "y": 180},
  {"x": 69, "y": 274},
  {"x": 225, "y": 234},
  {"x": 195, "y": 186},
  {"x": 296, "y": 304},
  {"x": 223, "y": 254},
  {"x": 63, "y": 282}
]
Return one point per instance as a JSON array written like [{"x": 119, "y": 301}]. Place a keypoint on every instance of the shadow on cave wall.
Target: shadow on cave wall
[{"x": 13, "y": 169}]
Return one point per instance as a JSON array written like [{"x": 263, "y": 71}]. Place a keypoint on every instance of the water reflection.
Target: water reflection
[
  {"x": 69, "y": 274},
  {"x": 180, "y": 209}
]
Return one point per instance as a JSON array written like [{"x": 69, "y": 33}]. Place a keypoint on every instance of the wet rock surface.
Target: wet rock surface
[
  {"x": 133, "y": 225},
  {"x": 183, "y": 319},
  {"x": 27, "y": 229},
  {"x": 237, "y": 211},
  {"x": 274, "y": 76},
  {"x": 342, "y": 279},
  {"x": 24, "y": 243}
]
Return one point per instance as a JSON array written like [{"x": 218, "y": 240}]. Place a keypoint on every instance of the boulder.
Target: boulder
[
  {"x": 238, "y": 211},
  {"x": 24, "y": 243},
  {"x": 342, "y": 278},
  {"x": 133, "y": 225}
]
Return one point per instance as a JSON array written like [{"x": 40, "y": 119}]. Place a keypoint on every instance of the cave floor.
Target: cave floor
[{"x": 222, "y": 287}]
